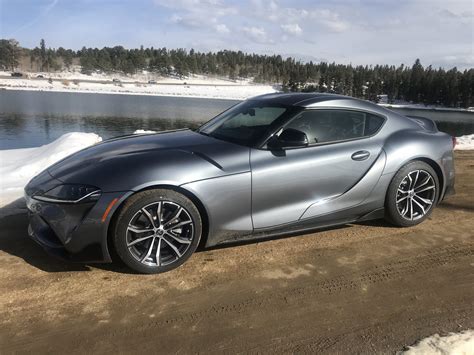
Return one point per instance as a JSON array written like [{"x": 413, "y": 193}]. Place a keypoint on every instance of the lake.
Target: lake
[{"x": 33, "y": 118}]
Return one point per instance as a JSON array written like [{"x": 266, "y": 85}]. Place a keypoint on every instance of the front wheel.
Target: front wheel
[
  {"x": 412, "y": 194},
  {"x": 157, "y": 231}
]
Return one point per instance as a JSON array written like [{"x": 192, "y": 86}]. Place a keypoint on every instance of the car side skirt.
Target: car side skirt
[{"x": 308, "y": 225}]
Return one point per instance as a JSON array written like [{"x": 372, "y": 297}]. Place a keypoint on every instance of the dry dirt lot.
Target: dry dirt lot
[{"x": 355, "y": 289}]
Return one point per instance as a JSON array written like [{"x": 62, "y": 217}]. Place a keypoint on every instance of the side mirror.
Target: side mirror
[{"x": 289, "y": 138}]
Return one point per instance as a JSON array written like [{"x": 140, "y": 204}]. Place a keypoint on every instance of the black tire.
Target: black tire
[
  {"x": 134, "y": 213},
  {"x": 394, "y": 212}
]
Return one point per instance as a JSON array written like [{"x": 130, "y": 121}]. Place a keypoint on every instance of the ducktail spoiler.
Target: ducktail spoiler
[{"x": 425, "y": 123}]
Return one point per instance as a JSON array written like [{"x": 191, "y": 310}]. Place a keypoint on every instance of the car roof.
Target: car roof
[
  {"x": 313, "y": 99},
  {"x": 303, "y": 99}
]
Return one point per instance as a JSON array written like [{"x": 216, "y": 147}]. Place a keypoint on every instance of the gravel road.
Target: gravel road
[{"x": 355, "y": 289}]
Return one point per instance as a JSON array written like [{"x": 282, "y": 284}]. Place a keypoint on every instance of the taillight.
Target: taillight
[{"x": 454, "y": 141}]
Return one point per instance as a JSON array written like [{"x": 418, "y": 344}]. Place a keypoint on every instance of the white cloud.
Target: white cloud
[
  {"x": 456, "y": 8},
  {"x": 292, "y": 29},
  {"x": 221, "y": 28},
  {"x": 312, "y": 16},
  {"x": 329, "y": 19},
  {"x": 461, "y": 60},
  {"x": 199, "y": 14},
  {"x": 465, "y": 17},
  {"x": 257, "y": 34},
  {"x": 193, "y": 20},
  {"x": 215, "y": 8},
  {"x": 179, "y": 4},
  {"x": 271, "y": 11}
]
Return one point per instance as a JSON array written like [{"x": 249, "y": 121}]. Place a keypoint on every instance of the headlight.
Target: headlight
[{"x": 70, "y": 193}]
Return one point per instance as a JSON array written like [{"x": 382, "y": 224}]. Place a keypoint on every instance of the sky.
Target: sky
[{"x": 439, "y": 32}]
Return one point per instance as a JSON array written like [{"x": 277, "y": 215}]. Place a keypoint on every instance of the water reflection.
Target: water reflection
[
  {"x": 455, "y": 123},
  {"x": 456, "y": 128},
  {"x": 31, "y": 119},
  {"x": 32, "y": 131},
  {"x": 37, "y": 103}
]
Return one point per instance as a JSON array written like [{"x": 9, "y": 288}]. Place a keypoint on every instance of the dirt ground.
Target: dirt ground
[{"x": 355, "y": 289}]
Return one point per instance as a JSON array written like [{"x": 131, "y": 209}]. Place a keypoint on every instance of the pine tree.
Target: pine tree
[{"x": 43, "y": 55}]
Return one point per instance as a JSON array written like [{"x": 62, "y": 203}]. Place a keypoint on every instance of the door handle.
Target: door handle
[{"x": 360, "y": 155}]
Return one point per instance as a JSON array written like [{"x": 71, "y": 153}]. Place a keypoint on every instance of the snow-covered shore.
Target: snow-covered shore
[
  {"x": 408, "y": 105},
  {"x": 465, "y": 142},
  {"x": 195, "y": 86},
  {"x": 453, "y": 344},
  {"x": 18, "y": 166}
]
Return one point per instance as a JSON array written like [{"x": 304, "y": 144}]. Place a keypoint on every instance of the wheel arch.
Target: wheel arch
[
  {"x": 199, "y": 205},
  {"x": 430, "y": 148},
  {"x": 433, "y": 164}
]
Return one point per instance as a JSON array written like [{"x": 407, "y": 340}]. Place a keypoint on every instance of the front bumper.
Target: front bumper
[{"x": 73, "y": 232}]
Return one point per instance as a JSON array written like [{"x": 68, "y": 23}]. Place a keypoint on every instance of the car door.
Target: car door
[{"x": 343, "y": 147}]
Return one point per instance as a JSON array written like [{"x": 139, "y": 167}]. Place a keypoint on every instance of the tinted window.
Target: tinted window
[
  {"x": 323, "y": 126},
  {"x": 373, "y": 124},
  {"x": 245, "y": 123},
  {"x": 253, "y": 117}
]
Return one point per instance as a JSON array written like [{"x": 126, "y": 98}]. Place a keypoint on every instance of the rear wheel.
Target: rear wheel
[
  {"x": 157, "y": 231},
  {"x": 412, "y": 194}
]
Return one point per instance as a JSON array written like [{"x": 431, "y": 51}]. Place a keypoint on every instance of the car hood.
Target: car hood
[{"x": 174, "y": 157}]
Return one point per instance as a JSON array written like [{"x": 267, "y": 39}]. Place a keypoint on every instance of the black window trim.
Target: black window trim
[{"x": 263, "y": 146}]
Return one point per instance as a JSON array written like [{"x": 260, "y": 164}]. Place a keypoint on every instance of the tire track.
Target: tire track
[
  {"x": 349, "y": 282},
  {"x": 375, "y": 275},
  {"x": 327, "y": 344}
]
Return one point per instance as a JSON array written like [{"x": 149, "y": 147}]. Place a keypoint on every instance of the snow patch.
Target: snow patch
[
  {"x": 465, "y": 142},
  {"x": 419, "y": 106},
  {"x": 452, "y": 344},
  {"x": 20, "y": 165},
  {"x": 143, "y": 131},
  {"x": 197, "y": 86}
]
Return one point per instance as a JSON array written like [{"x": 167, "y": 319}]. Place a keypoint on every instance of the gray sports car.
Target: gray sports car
[{"x": 270, "y": 165}]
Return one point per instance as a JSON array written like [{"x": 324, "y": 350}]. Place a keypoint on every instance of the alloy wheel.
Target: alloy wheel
[
  {"x": 415, "y": 195},
  {"x": 160, "y": 233}
]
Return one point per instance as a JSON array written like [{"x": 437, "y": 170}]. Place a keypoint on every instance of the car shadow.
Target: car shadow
[
  {"x": 263, "y": 239},
  {"x": 15, "y": 241},
  {"x": 456, "y": 206},
  {"x": 381, "y": 223}
]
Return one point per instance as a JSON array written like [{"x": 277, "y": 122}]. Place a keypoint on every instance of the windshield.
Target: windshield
[{"x": 246, "y": 123}]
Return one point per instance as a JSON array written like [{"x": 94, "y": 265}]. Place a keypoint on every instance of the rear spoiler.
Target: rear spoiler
[{"x": 425, "y": 123}]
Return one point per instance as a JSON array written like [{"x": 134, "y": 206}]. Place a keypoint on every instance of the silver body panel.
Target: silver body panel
[{"x": 284, "y": 187}]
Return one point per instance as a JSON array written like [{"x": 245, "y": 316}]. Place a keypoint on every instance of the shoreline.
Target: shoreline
[
  {"x": 195, "y": 86},
  {"x": 149, "y": 84},
  {"x": 131, "y": 93},
  {"x": 420, "y": 107}
]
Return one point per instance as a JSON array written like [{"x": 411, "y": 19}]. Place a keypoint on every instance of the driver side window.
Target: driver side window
[{"x": 324, "y": 126}]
